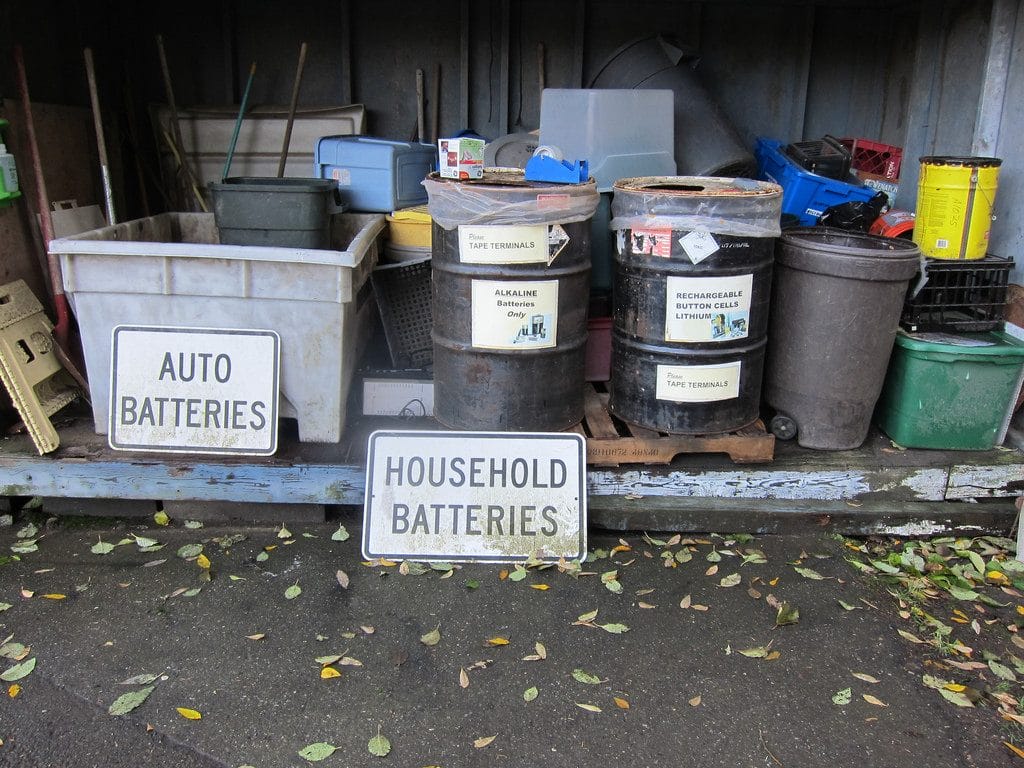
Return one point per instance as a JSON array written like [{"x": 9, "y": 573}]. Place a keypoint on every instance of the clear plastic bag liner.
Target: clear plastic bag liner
[
  {"x": 452, "y": 204},
  {"x": 739, "y": 207}
]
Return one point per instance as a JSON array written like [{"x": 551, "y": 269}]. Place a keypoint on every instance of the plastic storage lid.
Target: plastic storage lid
[
  {"x": 973, "y": 162},
  {"x": 948, "y": 345},
  {"x": 418, "y": 214}
]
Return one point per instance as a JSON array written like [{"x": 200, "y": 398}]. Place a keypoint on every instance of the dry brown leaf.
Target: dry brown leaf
[
  {"x": 1016, "y": 750},
  {"x": 711, "y": 571},
  {"x": 463, "y": 679},
  {"x": 642, "y": 604},
  {"x": 483, "y": 741},
  {"x": 495, "y": 641},
  {"x": 621, "y": 703},
  {"x": 342, "y": 578},
  {"x": 699, "y": 607},
  {"x": 257, "y": 636},
  {"x": 695, "y": 701},
  {"x": 685, "y": 602},
  {"x": 865, "y": 677},
  {"x": 540, "y": 587},
  {"x": 872, "y": 700},
  {"x": 503, "y": 574},
  {"x": 367, "y": 629}
]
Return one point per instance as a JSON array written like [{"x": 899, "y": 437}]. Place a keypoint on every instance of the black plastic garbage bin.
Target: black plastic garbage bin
[{"x": 836, "y": 303}]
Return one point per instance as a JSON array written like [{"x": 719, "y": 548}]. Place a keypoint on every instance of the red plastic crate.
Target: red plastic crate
[{"x": 875, "y": 157}]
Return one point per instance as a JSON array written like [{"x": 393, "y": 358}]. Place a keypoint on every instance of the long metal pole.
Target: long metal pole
[{"x": 101, "y": 144}]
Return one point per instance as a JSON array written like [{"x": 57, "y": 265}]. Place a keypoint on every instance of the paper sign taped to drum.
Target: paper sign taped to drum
[
  {"x": 515, "y": 314},
  {"x": 707, "y": 308},
  {"x": 698, "y": 383}
]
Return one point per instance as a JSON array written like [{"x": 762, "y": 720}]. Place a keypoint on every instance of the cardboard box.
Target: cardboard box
[
  {"x": 460, "y": 158},
  {"x": 880, "y": 183}
]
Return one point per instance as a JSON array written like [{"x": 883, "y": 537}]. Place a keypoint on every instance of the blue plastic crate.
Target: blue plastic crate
[
  {"x": 804, "y": 194},
  {"x": 376, "y": 175}
]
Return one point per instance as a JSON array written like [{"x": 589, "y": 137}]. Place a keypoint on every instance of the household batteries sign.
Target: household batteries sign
[
  {"x": 475, "y": 496},
  {"x": 194, "y": 390}
]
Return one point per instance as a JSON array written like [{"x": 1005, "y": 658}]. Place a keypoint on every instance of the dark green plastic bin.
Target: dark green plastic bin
[
  {"x": 951, "y": 392},
  {"x": 273, "y": 212}
]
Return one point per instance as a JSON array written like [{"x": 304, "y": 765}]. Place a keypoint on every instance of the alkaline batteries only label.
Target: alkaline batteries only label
[
  {"x": 698, "y": 383},
  {"x": 515, "y": 315},
  {"x": 707, "y": 308}
]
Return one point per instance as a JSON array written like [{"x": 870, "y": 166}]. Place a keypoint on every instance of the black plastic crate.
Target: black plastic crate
[
  {"x": 403, "y": 297},
  {"x": 958, "y": 295},
  {"x": 826, "y": 157}
]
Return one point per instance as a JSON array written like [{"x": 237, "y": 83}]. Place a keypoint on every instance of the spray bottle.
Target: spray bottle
[{"x": 8, "y": 173}]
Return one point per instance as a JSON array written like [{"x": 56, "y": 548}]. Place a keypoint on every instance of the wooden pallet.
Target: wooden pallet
[{"x": 611, "y": 442}]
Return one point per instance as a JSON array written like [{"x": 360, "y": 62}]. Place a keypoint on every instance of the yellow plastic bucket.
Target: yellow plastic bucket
[
  {"x": 410, "y": 227},
  {"x": 954, "y": 206}
]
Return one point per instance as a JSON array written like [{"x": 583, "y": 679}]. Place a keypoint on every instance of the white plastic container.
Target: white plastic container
[
  {"x": 622, "y": 132},
  {"x": 169, "y": 270}
]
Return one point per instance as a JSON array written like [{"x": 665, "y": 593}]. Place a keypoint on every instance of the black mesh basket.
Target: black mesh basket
[
  {"x": 403, "y": 297},
  {"x": 959, "y": 296}
]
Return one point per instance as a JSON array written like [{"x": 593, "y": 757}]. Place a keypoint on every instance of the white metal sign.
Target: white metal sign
[
  {"x": 475, "y": 496},
  {"x": 194, "y": 390}
]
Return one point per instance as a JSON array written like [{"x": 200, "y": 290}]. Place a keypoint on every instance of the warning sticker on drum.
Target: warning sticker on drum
[
  {"x": 707, "y": 308},
  {"x": 535, "y": 244},
  {"x": 650, "y": 242},
  {"x": 698, "y": 383},
  {"x": 515, "y": 315}
]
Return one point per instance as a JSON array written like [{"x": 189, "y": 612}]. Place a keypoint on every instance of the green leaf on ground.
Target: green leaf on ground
[
  {"x": 161, "y": 518},
  {"x": 615, "y": 629},
  {"x": 126, "y": 702},
  {"x": 962, "y": 594},
  {"x": 518, "y": 574},
  {"x": 102, "y": 547},
  {"x": 530, "y": 693},
  {"x": 788, "y": 614},
  {"x": 809, "y": 573},
  {"x": 378, "y": 746},
  {"x": 843, "y": 697},
  {"x": 293, "y": 591},
  {"x": 25, "y": 547},
  {"x": 341, "y": 534},
  {"x": 27, "y": 532},
  {"x": 193, "y": 524},
  {"x": 432, "y": 638},
  {"x": 756, "y": 653},
  {"x": 731, "y": 580},
  {"x": 4, "y": 607},
  {"x": 284, "y": 533},
  {"x": 144, "y": 542},
  {"x": 314, "y": 753},
  {"x": 1002, "y": 671},
  {"x": 18, "y": 671},
  {"x": 187, "y": 551},
  {"x": 955, "y": 697},
  {"x": 585, "y": 677},
  {"x": 587, "y": 617}
]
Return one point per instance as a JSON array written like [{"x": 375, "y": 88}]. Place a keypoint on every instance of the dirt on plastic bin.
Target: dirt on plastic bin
[{"x": 836, "y": 303}]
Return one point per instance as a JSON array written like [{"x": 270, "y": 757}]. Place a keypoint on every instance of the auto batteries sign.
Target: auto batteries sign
[
  {"x": 194, "y": 390},
  {"x": 475, "y": 496}
]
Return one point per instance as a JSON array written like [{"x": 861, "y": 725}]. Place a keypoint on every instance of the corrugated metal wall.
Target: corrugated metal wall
[{"x": 908, "y": 73}]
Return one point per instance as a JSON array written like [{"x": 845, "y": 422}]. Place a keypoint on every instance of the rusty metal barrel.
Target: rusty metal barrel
[
  {"x": 511, "y": 281},
  {"x": 691, "y": 292}
]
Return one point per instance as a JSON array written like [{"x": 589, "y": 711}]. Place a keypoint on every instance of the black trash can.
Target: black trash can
[{"x": 836, "y": 303}]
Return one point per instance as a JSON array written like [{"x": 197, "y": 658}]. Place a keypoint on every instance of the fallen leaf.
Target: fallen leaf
[
  {"x": 483, "y": 741},
  {"x": 161, "y": 518},
  {"x": 143, "y": 542},
  {"x": 257, "y": 636},
  {"x": 848, "y": 607},
  {"x": 367, "y": 629},
  {"x": 588, "y": 707},
  {"x": 126, "y": 702},
  {"x": 293, "y": 591},
  {"x": 327, "y": 673},
  {"x": 342, "y": 578},
  {"x": 193, "y": 524},
  {"x": 378, "y": 746},
  {"x": 54, "y": 596},
  {"x": 620, "y": 703},
  {"x": 284, "y": 533},
  {"x": 731, "y": 580},
  {"x": 463, "y": 678},
  {"x": 642, "y": 604},
  {"x": 699, "y": 607},
  {"x": 614, "y": 629},
  {"x": 18, "y": 671},
  {"x": 587, "y": 617},
  {"x": 13, "y": 690},
  {"x": 541, "y": 650},
  {"x": 503, "y": 574},
  {"x": 540, "y": 587},
  {"x": 530, "y": 693},
  {"x": 318, "y": 751},
  {"x": 787, "y": 614},
  {"x": 755, "y": 653},
  {"x": 910, "y": 637},
  {"x": 102, "y": 547},
  {"x": 495, "y": 641},
  {"x": 348, "y": 661},
  {"x": 711, "y": 571},
  {"x": 518, "y": 574},
  {"x": 955, "y": 697},
  {"x": 685, "y": 602},
  {"x": 807, "y": 573},
  {"x": 187, "y": 551},
  {"x": 1016, "y": 750},
  {"x": 843, "y": 697},
  {"x": 585, "y": 677},
  {"x": 866, "y": 678},
  {"x": 872, "y": 700},
  {"x": 695, "y": 701},
  {"x": 1002, "y": 671},
  {"x": 203, "y": 562},
  {"x": 341, "y": 534},
  {"x": 433, "y": 637},
  {"x": 189, "y": 714}
]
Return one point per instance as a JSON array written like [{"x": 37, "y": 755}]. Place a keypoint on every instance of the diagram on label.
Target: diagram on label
[
  {"x": 707, "y": 308},
  {"x": 515, "y": 315},
  {"x": 651, "y": 242}
]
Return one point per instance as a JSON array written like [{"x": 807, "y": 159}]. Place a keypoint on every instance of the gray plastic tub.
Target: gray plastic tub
[{"x": 273, "y": 212}]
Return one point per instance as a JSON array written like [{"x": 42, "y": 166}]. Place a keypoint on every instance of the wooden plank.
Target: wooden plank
[
  {"x": 969, "y": 482},
  {"x": 596, "y": 414},
  {"x": 661, "y": 450}
]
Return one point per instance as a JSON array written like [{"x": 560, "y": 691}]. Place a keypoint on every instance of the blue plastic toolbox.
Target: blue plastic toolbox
[
  {"x": 375, "y": 175},
  {"x": 804, "y": 194}
]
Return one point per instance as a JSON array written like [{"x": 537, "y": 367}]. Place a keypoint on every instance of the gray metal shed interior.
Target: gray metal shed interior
[{"x": 935, "y": 77}]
